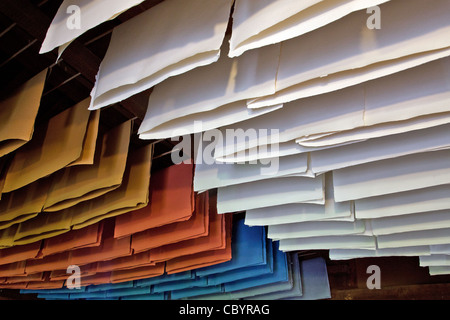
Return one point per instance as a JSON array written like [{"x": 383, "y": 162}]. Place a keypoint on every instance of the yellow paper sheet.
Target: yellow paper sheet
[
  {"x": 54, "y": 146},
  {"x": 18, "y": 113}
]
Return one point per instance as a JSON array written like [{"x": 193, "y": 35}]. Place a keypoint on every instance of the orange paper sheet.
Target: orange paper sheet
[
  {"x": 87, "y": 237},
  {"x": 196, "y": 226},
  {"x": 175, "y": 182},
  {"x": 202, "y": 259},
  {"x": 216, "y": 238},
  {"x": 20, "y": 253}
]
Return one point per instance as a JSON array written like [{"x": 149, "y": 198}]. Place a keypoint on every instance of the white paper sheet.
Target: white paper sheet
[
  {"x": 440, "y": 249},
  {"x": 349, "y": 44},
  {"x": 280, "y": 150},
  {"x": 302, "y": 212},
  {"x": 169, "y": 39},
  {"x": 375, "y": 131},
  {"x": 434, "y": 260},
  {"x": 91, "y": 14},
  {"x": 397, "y": 204},
  {"x": 386, "y": 101},
  {"x": 343, "y": 110},
  {"x": 411, "y": 222},
  {"x": 209, "y": 87},
  {"x": 330, "y": 242},
  {"x": 349, "y": 254},
  {"x": 210, "y": 176},
  {"x": 270, "y": 192},
  {"x": 205, "y": 121},
  {"x": 315, "y": 229},
  {"x": 283, "y": 149},
  {"x": 264, "y": 22},
  {"x": 345, "y": 79},
  {"x": 405, "y": 173},
  {"x": 392, "y": 146},
  {"x": 414, "y": 238},
  {"x": 441, "y": 270}
]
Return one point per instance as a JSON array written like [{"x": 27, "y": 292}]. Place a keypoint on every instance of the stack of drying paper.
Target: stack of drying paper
[
  {"x": 351, "y": 101},
  {"x": 340, "y": 114},
  {"x": 366, "y": 121},
  {"x": 258, "y": 270},
  {"x": 164, "y": 236}
]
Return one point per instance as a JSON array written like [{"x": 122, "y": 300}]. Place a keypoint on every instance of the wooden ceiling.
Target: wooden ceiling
[{"x": 23, "y": 26}]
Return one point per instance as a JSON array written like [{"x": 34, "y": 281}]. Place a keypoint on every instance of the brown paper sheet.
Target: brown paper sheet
[
  {"x": 23, "y": 204},
  {"x": 18, "y": 114},
  {"x": 131, "y": 195},
  {"x": 54, "y": 146},
  {"x": 7, "y": 236},
  {"x": 90, "y": 141},
  {"x": 44, "y": 226}
]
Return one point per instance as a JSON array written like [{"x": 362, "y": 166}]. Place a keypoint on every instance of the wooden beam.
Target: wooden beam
[{"x": 437, "y": 291}]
